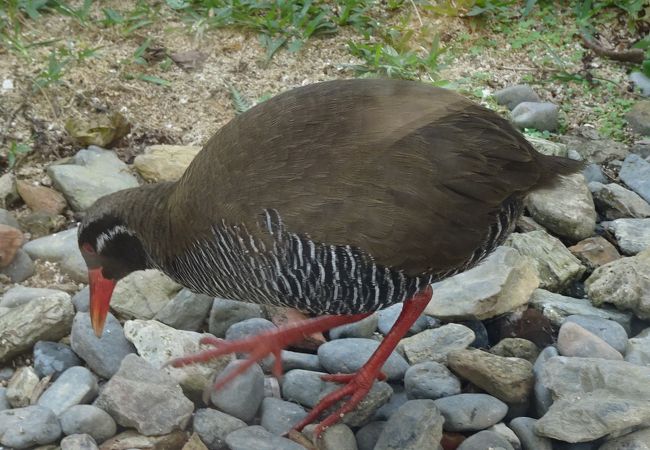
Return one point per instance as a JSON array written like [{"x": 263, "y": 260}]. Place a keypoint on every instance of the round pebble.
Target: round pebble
[
  {"x": 609, "y": 331},
  {"x": 368, "y": 435},
  {"x": 430, "y": 380},
  {"x": 485, "y": 440},
  {"x": 90, "y": 420},
  {"x": 213, "y": 426},
  {"x": 471, "y": 412},
  {"x": 53, "y": 358},
  {"x": 78, "y": 442},
  {"x": 242, "y": 396},
  {"x": 524, "y": 428},
  {"x": 279, "y": 416}
]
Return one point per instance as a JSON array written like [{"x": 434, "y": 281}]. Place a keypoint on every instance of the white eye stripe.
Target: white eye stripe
[{"x": 109, "y": 234}]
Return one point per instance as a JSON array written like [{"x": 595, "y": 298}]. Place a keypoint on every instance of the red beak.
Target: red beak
[{"x": 101, "y": 290}]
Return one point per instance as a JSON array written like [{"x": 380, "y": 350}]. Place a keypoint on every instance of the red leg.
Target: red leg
[
  {"x": 265, "y": 344},
  {"x": 359, "y": 384}
]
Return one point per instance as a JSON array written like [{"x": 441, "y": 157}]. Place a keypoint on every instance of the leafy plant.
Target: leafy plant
[{"x": 14, "y": 151}]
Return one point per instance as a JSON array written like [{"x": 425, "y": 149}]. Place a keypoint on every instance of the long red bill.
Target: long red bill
[{"x": 101, "y": 290}]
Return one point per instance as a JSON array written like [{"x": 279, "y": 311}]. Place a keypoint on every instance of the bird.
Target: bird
[{"x": 338, "y": 199}]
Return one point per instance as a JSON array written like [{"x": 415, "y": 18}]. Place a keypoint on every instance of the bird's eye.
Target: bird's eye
[{"x": 88, "y": 248}]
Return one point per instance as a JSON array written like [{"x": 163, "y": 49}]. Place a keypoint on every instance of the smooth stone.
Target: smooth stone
[
  {"x": 6, "y": 373},
  {"x": 75, "y": 386},
  {"x": 608, "y": 330},
  {"x": 293, "y": 360},
  {"x": 225, "y": 313},
  {"x": 256, "y": 437},
  {"x": 379, "y": 395},
  {"x": 594, "y": 173},
  {"x": 595, "y": 149},
  {"x": 624, "y": 283},
  {"x": 7, "y": 218},
  {"x": 186, "y": 311},
  {"x": 638, "y": 440},
  {"x": 12, "y": 240},
  {"x": 516, "y": 348},
  {"x": 81, "y": 300},
  {"x": 558, "y": 307},
  {"x": 21, "y": 387},
  {"x": 27, "y": 427},
  {"x": 613, "y": 201},
  {"x": 509, "y": 379},
  {"x": 394, "y": 403},
  {"x": 61, "y": 248},
  {"x": 635, "y": 173},
  {"x": 543, "y": 395},
  {"x": 280, "y": 416},
  {"x": 524, "y": 428},
  {"x": 53, "y": 358},
  {"x": 481, "y": 337},
  {"x": 158, "y": 344},
  {"x": 485, "y": 440},
  {"x": 511, "y": 96},
  {"x": 4, "y": 401},
  {"x": 350, "y": 354},
  {"x": 416, "y": 425},
  {"x": 105, "y": 354},
  {"x": 145, "y": 398},
  {"x": 242, "y": 396},
  {"x": 638, "y": 117},
  {"x": 368, "y": 435},
  {"x": 594, "y": 398},
  {"x": 640, "y": 147},
  {"x": 47, "y": 319},
  {"x": 436, "y": 344},
  {"x": 471, "y": 412},
  {"x": 574, "y": 340},
  {"x": 566, "y": 209},
  {"x": 637, "y": 350},
  {"x": 303, "y": 386},
  {"x": 506, "y": 433},
  {"x": 20, "y": 268},
  {"x": 142, "y": 294},
  {"x": 501, "y": 283},
  {"x": 364, "y": 328},
  {"x": 594, "y": 252},
  {"x": 556, "y": 266},
  {"x": 213, "y": 426},
  {"x": 643, "y": 83},
  {"x": 131, "y": 440},
  {"x": 41, "y": 198},
  {"x": 8, "y": 194},
  {"x": 94, "y": 173},
  {"x": 632, "y": 235},
  {"x": 430, "y": 380},
  {"x": 249, "y": 328},
  {"x": 78, "y": 442},
  {"x": 388, "y": 316},
  {"x": 337, "y": 437},
  {"x": 90, "y": 420},
  {"x": 19, "y": 295},
  {"x": 164, "y": 162},
  {"x": 542, "y": 116}
]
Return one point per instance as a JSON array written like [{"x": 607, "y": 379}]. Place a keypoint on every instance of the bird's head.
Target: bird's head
[{"x": 111, "y": 250}]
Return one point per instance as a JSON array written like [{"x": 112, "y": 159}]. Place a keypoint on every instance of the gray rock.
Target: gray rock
[
  {"x": 61, "y": 248},
  {"x": 8, "y": 193},
  {"x": 158, "y": 343},
  {"x": 350, "y": 354},
  {"x": 594, "y": 398},
  {"x": 594, "y": 252},
  {"x": 4, "y": 401},
  {"x": 242, "y": 396},
  {"x": 105, "y": 354},
  {"x": 501, "y": 283},
  {"x": 337, "y": 437},
  {"x": 566, "y": 209},
  {"x": 508, "y": 379},
  {"x": 637, "y": 350},
  {"x": 640, "y": 147},
  {"x": 76, "y": 385},
  {"x": 6, "y": 373},
  {"x": 256, "y": 437},
  {"x": 538, "y": 115},
  {"x": 635, "y": 173},
  {"x": 81, "y": 300},
  {"x": 94, "y": 172},
  {"x": 368, "y": 435},
  {"x": 547, "y": 147},
  {"x": 6, "y": 218},
  {"x": 502, "y": 430},
  {"x": 638, "y": 117},
  {"x": 225, "y": 313},
  {"x": 142, "y": 294},
  {"x": 543, "y": 395},
  {"x": 131, "y": 440},
  {"x": 88, "y": 419},
  {"x": 78, "y": 442},
  {"x": 387, "y": 318},
  {"x": 52, "y": 358},
  {"x": 416, "y": 425},
  {"x": 28, "y": 427},
  {"x": 557, "y": 308},
  {"x": 639, "y": 440},
  {"x": 643, "y": 83},
  {"x": 574, "y": 340},
  {"x": 45, "y": 319},
  {"x": 20, "y": 268},
  {"x": 516, "y": 348},
  {"x": 21, "y": 387},
  {"x": 430, "y": 380},
  {"x": 594, "y": 173},
  {"x": 279, "y": 416},
  {"x": 613, "y": 201},
  {"x": 556, "y": 266},
  {"x": 524, "y": 428},
  {"x": 632, "y": 235},
  {"x": 19, "y": 295},
  {"x": 363, "y": 413},
  {"x": 596, "y": 149},
  {"x": 303, "y": 386},
  {"x": 145, "y": 398},
  {"x": 511, "y": 96},
  {"x": 249, "y": 328},
  {"x": 471, "y": 412},
  {"x": 294, "y": 360},
  {"x": 624, "y": 283},
  {"x": 394, "y": 403},
  {"x": 611, "y": 332},
  {"x": 435, "y": 345},
  {"x": 364, "y": 328},
  {"x": 483, "y": 440},
  {"x": 213, "y": 426},
  {"x": 186, "y": 311}
]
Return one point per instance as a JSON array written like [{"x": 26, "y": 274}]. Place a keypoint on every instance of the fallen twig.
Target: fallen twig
[{"x": 634, "y": 55}]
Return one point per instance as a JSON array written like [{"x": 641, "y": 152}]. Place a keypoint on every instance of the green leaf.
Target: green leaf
[
  {"x": 239, "y": 102},
  {"x": 177, "y": 4},
  {"x": 154, "y": 80}
]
